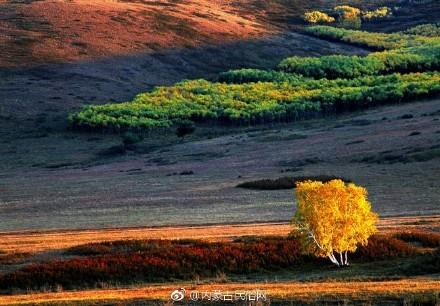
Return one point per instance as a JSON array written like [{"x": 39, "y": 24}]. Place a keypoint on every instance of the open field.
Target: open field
[
  {"x": 24, "y": 242},
  {"x": 50, "y": 175},
  {"x": 72, "y": 180},
  {"x": 392, "y": 279},
  {"x": 297, "y": 292}
]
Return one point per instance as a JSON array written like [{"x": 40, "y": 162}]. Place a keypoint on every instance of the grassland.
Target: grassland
[
  {"x": 144, "y": 193},
  {"x": 402, "y": 249}
]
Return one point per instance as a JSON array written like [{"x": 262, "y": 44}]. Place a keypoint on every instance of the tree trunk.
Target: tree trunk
[
  {"x": 346, "y": 258},
  {"x": 333, "y": 259}
]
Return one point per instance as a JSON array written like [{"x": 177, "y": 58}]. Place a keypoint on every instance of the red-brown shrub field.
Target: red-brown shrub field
[
  {"x": 384, "y": 247},
  {"x": 425, "y": 239},
  {"x": 154, "y": 260},
  {"x": 136, "y": 261}
]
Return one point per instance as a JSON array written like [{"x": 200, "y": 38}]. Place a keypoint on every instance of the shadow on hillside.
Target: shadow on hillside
[{"x": 42, "y": 96}]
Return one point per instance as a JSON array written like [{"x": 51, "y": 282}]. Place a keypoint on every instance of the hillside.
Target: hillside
[
  {"x": 36, "y": 32},
  {"x": 47, "y": 31},
  {"x": 51, "y": 174}
]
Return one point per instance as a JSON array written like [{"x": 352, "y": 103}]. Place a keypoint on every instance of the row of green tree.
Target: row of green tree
[
  {"x": 375, "y": 40},
  {"x": 301, "y": 87},
  {"x": 253, "y": 103}
]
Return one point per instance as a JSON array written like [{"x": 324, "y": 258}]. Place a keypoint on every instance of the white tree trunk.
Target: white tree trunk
[
  {"x": 333, "y": 259},
  {"x": 346, "y": 258}
]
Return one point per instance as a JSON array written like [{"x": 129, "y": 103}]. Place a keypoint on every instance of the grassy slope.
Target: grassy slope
[{"x": 46, "y": 31}]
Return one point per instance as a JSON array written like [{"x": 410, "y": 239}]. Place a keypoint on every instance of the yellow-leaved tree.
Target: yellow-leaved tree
[
  {"x": 318, "y": 17},
  {"x": 349, "y": 17},
  {"x": 333, "y": 218}
]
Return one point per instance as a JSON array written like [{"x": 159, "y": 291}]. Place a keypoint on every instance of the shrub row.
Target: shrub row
[
  {"x": 379, "y": 41},
  {"x": 253, "y": 103},
  {"x": 430, "y": 30},
  {"x": 414, "y": 59}
]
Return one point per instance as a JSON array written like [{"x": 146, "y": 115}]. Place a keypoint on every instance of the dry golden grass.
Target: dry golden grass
[
  {"x": 50, "y": 240},
  {"x": 42, "y": 31},
  {"x": 284, "y": 290}
]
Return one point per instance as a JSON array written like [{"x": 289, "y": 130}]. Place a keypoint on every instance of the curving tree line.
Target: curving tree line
[{"x": 300, "y": 88}]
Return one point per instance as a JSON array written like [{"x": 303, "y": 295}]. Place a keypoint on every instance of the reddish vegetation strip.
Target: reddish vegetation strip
[
  {"x": 133, "y": 261},
  {"x": 42, "y": 241},
  {"x": 275, "y": 290}
]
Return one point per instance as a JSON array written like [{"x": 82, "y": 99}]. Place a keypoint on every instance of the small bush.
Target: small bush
[
  {"x": 286, "y": 182},
  {"x": 349, "y": 17}
]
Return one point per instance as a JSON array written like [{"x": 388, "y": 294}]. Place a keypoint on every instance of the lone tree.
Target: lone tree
[{"x": 333, "y": 218}]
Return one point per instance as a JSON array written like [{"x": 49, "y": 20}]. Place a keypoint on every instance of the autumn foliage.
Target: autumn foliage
[
  {"x": 124, "y": 262},
  {"x": 333, "y": 218},
  {"x": 300, "y": 88},
  {"x": 318, "y": 17},
  {"x": 142, "y": 261}
]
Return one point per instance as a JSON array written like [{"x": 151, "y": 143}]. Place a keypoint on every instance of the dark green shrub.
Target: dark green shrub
[{"x": 287, "y": 182}]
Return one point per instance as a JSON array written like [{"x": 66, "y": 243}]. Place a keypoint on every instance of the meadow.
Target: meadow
[
  {"x": 126, "y": 262},
  {"x": 402, "y": 254}
]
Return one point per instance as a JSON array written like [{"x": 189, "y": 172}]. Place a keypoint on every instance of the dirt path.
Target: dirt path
[
  {"x": 53, "y": 240},
  {"x": 284, "y": 290}
]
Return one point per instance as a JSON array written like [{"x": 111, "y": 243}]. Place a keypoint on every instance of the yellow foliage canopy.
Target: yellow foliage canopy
[
  {"x": 347, "y": 12},
  {"x": 334, "y": 217},
  {"x": 318, "y": 17},
  {"x": 381, "y": 12}
]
